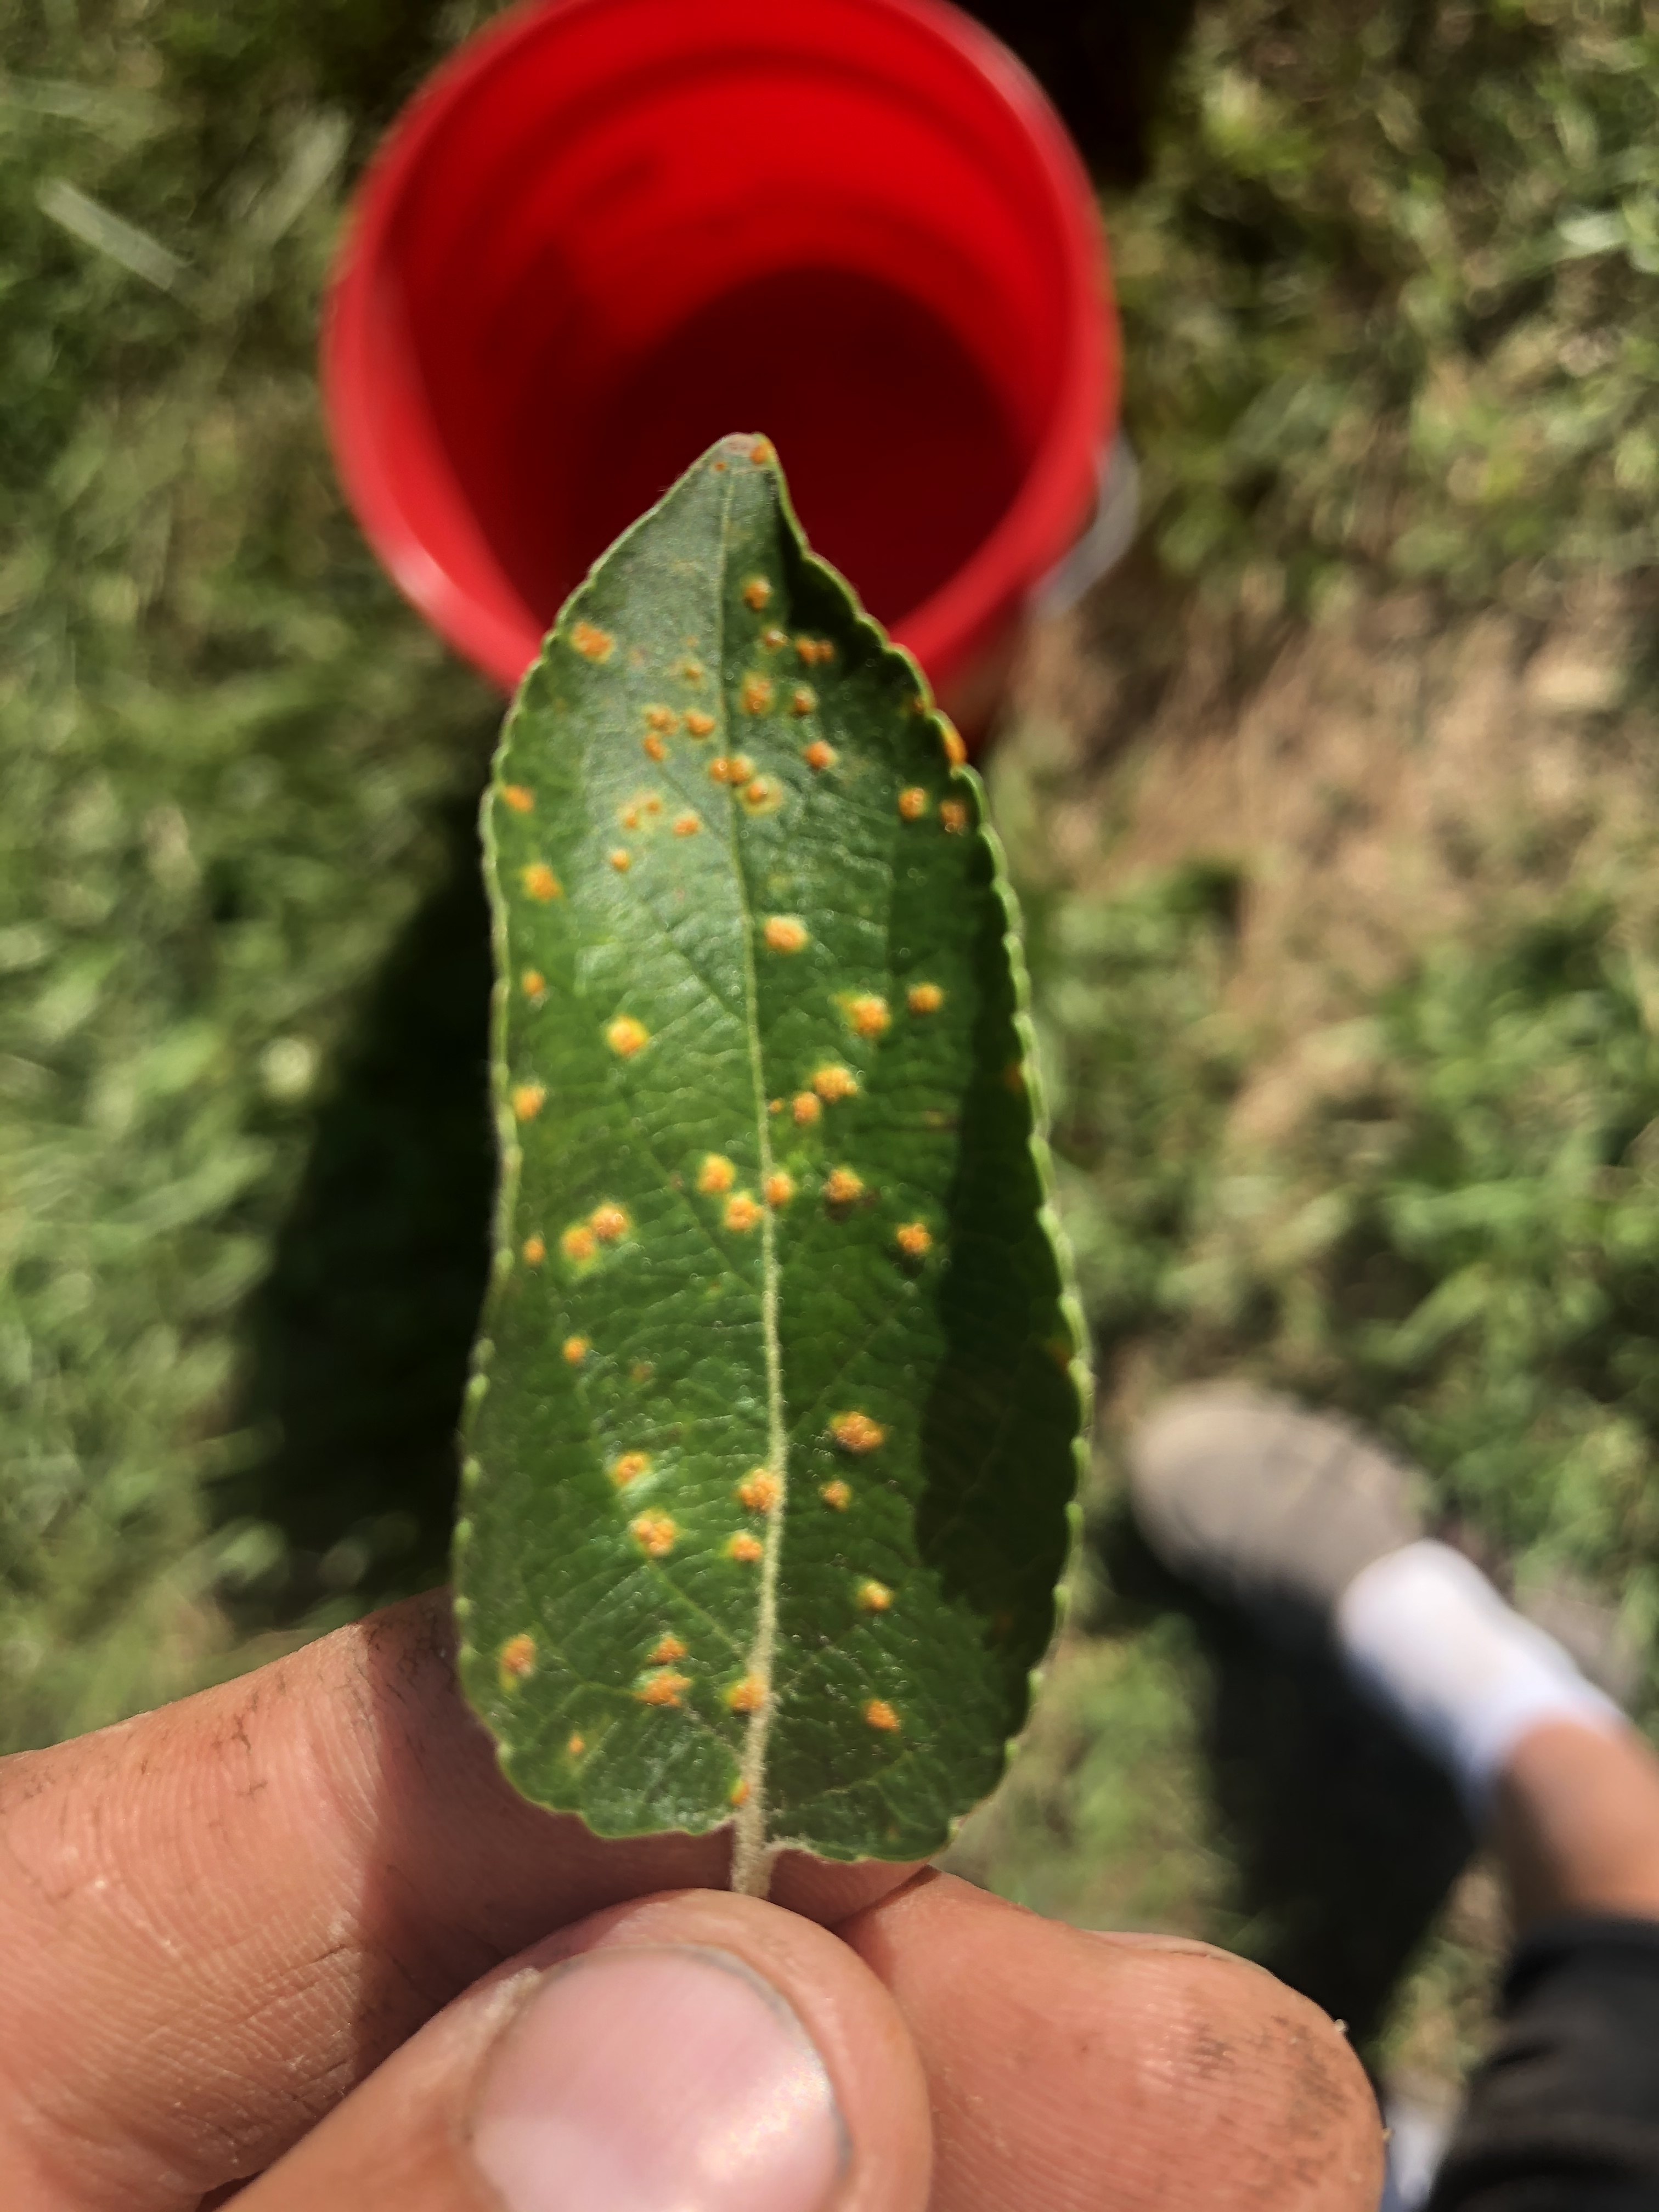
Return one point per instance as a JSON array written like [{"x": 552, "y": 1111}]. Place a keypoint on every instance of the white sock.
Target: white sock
[{"x": 1427, "y": 1638}]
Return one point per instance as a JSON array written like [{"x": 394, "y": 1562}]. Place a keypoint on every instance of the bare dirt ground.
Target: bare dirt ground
[{"x": 1380, "y": 779}]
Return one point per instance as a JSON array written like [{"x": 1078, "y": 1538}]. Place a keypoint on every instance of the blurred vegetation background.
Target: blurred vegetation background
[{"x": 1333, "y": 810}]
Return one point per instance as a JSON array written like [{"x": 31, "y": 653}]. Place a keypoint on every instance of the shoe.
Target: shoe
[
  {"x": 1275, "y": 1510},
  {"x": 1265, "y": 1506}
]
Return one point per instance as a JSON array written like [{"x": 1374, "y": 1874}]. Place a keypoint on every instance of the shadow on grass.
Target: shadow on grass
[
  {"x": 361, "y": 1332},
  {"x": 1345, "y": 1840}
]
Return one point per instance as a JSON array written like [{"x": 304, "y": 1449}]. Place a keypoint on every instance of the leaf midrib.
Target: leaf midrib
[{"x": 751, "y": 1856}]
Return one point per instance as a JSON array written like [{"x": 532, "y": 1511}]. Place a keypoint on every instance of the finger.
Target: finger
[
  {"x": 223, "y": 1916},
  {"x": 691, "y": 2053},
  {"x": 1089, "y": 2073}
]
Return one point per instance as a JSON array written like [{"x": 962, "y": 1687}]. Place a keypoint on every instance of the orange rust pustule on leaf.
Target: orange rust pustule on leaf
[
  {"x": 857, "y": 1433},
  {"x": 663, "y": 1689},
  {"x": 626, "y": 1036},
  {"x": 654, "y": 1532},
  {"x": 760, "y": 1490}
]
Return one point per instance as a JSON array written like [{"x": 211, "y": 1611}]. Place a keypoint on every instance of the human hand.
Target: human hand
[{"x": 279, "y": 1930}]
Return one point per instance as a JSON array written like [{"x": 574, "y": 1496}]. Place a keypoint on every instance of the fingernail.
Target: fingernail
[{"x": 662, "y": 2079}]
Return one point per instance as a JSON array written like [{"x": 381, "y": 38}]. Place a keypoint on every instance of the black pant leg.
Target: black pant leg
[{"x": 1564, "y": 2116}]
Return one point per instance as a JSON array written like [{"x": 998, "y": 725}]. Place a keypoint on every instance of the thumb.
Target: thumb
[{"x": 695, "y": 2052}]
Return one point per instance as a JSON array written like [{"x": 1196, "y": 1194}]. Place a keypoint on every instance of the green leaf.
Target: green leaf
[{"x": 773, "y": 1430}]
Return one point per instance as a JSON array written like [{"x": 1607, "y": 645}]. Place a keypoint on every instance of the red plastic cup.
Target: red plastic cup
[{"x": 608, "y": 232}]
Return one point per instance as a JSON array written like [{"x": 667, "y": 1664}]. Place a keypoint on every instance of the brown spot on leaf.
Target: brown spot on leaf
[
  {"x": 629, "y": 1468},
  {"x": 518, "y": 797},
  {"x": 912, "y": 802},
  {"x": 591, "y": 641},
  {"x": 528, "y": 1100},
  {"x": 784, "y": 933},
  {"x": 742, "y": 1212},
  {"x": 540, "y": 882},
  {"x": 744, "y": 1548},
  {"x": 879, "y": 1714},
  {"x": 625, "y": 1036},
  {"x": 716, "y": 1175}
]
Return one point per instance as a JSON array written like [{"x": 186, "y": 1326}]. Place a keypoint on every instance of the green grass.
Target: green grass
[{"x": 224, "y": 749}]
